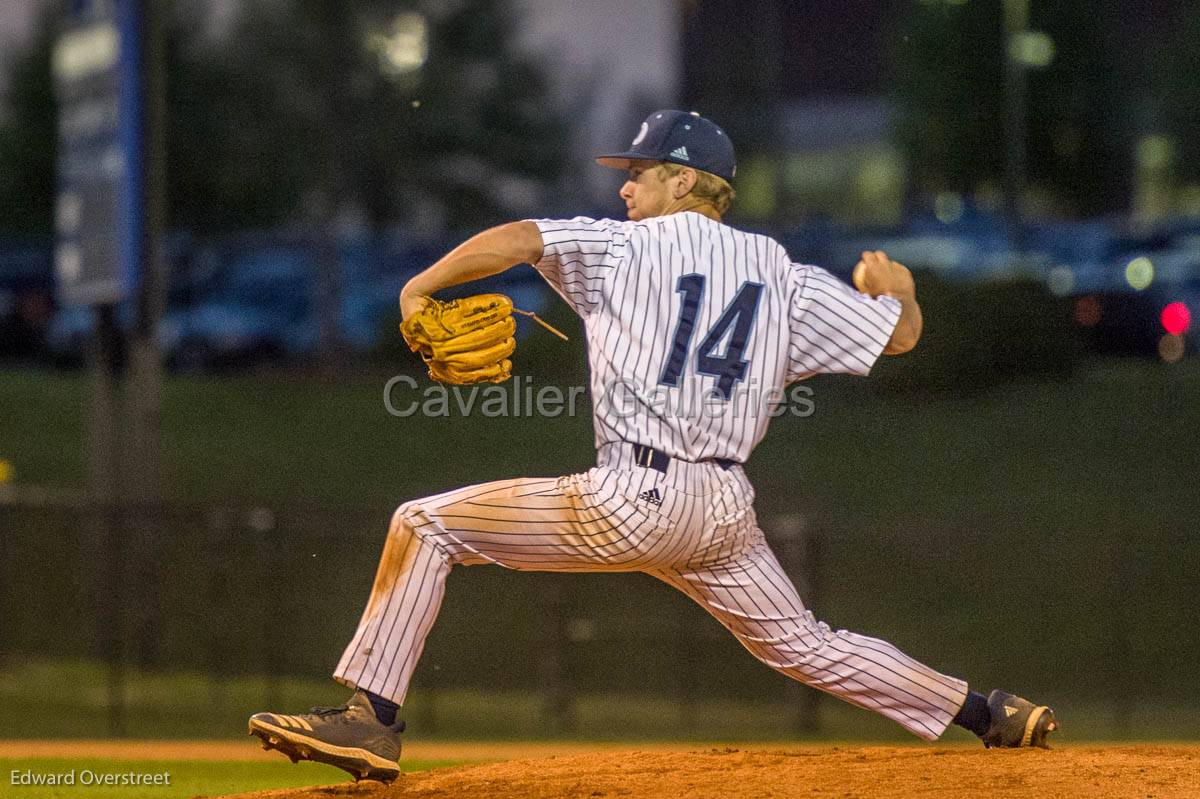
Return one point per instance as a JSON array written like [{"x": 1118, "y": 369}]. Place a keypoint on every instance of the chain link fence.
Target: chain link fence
[{"x": 239, "y": 596}]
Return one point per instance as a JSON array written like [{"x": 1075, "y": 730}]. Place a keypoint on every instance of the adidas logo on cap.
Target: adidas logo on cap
[{"x": 685, "y": 138}]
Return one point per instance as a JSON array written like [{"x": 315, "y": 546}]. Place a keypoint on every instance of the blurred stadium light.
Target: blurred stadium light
[
  {"x": 404, "y": 47},
  {"x": 1176, "y": 318},
  {"x": 1032, "y": 48},
  {"x": 1139, "y": 273},
  {"x": 1171, "y": 348},
  {"x": 1060, "y": 281}
]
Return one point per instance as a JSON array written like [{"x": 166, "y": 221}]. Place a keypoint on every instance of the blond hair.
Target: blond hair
[{"x": 709, "y": 188}]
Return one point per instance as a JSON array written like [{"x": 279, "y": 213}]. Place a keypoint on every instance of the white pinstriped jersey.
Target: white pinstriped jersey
[{"x": 694, "y": 328}]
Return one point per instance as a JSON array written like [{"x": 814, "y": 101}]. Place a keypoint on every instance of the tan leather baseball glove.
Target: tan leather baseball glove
[{"x": 464, "y": 341}]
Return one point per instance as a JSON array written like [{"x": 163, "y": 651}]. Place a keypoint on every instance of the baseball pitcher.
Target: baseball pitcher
[{"x": 694, "y": 330}]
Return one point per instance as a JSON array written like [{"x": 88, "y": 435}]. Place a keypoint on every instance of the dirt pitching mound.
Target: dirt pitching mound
[{"x": 1083, "y": 772}]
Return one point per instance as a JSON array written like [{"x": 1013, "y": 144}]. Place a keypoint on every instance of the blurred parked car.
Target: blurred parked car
[
  {"x": 26, "y": 299},
  {"x": 255, "y": 306},
  {"x": 1120, "y": 308},
  {"x": 248, "y": 299}
]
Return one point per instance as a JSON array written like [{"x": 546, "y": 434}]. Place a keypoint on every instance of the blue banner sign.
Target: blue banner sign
[{"x": 98, "y": 220}]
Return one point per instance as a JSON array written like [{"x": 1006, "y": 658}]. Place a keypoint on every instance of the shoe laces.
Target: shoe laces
[{"x": 329, "y": 711}]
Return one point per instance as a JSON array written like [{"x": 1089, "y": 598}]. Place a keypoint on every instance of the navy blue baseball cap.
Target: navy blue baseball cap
[{"x": 680, "y": 137}]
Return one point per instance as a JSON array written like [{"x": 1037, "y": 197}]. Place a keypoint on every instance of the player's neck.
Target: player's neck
[{"x": 690, "y": 203}]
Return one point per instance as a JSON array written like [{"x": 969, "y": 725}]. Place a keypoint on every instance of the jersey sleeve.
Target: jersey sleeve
[
  {"x": 835, "y": 329},
  {"x": 578, "y": 256}
]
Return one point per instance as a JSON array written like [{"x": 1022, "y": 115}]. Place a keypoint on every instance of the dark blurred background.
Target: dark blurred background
[{"x": 190, "y": 514}]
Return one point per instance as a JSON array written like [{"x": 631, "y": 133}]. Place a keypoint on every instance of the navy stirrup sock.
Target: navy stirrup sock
[
  {"x": 385, "y": 709},
  {"x": 974, "y": 714}
]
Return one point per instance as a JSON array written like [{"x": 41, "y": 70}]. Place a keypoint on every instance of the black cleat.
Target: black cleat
[
  {"x": 349, "y": 737},
  {"x": 1017, "y": 722}
]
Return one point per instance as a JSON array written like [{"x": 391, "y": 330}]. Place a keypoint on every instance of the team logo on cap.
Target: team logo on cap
[{"x": 641, "y": 135}]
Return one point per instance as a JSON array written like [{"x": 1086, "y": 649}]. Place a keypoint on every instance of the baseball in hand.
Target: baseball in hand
[{"x": 877, "y": 274}]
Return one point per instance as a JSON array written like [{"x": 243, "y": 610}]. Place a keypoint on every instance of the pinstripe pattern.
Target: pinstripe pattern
[
  {"x": 703, "y": 539},
  {"x": 692, "y": 526},
  {"x": 621, "y": 278}
]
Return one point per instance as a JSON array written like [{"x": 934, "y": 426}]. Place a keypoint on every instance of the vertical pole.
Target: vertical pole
[
  {"x": 103, "y": 447},
  {"x": 427, "y": 717},
  {"x": 798, "y": 552},
  {"x": 556, "y": 697},
  {"x": 6, "y": 514},
  {"x": 116, "y": 620},
  {"x": 687, "y": 663},
  {"x": 104, "y": 467},
  {"x": 143, "y": 88},
  {"x": 1016, "y": 23},
  {"x": 145, "y": 150},
  {"x": 216, "y": 546},
  {"x": 1120, "y": 651},
  {"x": 327, "y": 283},
  {"x": 810, "y": 702},
  {"x": 268, "y": 538},
  {"x": 767, "y": 25}
]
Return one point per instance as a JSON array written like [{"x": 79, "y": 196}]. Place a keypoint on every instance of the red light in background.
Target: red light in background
[
  {"x": 1176, "y": 318},
  {"x": 1087, "y": 311}
]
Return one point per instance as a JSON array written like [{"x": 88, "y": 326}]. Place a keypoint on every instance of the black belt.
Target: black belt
[{"x": 657, "y": 459}]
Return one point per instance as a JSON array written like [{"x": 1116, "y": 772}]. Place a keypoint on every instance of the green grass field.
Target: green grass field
[
  {"x": 1041, "y": 537},
  {"x": 1121, "y": 433},
  {"x": 59, "y": 700}
]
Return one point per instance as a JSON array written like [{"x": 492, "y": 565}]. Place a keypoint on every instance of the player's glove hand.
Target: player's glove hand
[{"x": 464, "y": 341}]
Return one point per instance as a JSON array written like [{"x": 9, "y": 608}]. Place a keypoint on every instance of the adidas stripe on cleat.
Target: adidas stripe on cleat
[
  {"x": 1017, "y": 722},
  {"x": 348, "y": 737}
]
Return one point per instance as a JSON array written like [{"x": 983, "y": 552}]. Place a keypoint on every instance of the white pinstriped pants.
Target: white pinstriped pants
[{"x": 703, "y": 539}]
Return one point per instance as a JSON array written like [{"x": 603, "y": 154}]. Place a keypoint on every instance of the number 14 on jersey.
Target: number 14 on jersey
[{"x": 729, "y": 367}]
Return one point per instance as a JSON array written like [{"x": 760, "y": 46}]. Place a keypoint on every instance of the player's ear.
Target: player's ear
[{"x": 685, "y": 183}]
